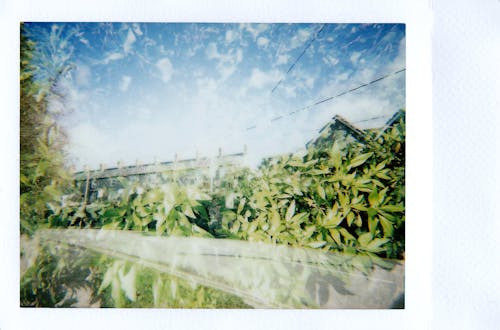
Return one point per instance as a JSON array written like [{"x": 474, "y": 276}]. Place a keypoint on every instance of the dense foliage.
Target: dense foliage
[
  {"x": 43, "y": 178},
  {"x": 345, "y": 197}
]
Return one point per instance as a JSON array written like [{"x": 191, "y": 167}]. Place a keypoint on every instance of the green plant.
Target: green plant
[
  {"x": 43, "y": 177},
  {"x": 341, "y": 196}
]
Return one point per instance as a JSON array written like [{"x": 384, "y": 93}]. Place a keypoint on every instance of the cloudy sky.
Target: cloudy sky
[{"x": 148, "y": 91}]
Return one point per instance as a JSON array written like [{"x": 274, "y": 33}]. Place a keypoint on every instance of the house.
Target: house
[
  {"x": 203, "y": 171},
  {"x": 337, "y": 128},
  {"x": 340, "y": 128}
]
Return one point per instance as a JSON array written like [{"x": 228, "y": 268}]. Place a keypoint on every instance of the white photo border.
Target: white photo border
[{"x": 417, "y": 17}]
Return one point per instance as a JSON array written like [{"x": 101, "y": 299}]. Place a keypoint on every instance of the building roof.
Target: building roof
[
  {"x": 185, "y": 164},
  {"x": 338, "y": 122}
]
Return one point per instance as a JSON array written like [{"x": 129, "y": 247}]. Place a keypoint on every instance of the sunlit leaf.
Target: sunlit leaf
[
  {"x": 317, "y": 245},
  {"x": 365, "y": 238},
  {"x": 387, "y": 227},
  {"x": 359, "y": 160},
  {"x": 321, "y": 191},
  {"x": 336, "y": 236},
  {"x": 290, "y": 211},
  {"x": 127, "y": 282}
]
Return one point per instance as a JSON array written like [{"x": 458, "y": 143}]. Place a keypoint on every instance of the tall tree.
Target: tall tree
[{"x": 42, "y": 173}]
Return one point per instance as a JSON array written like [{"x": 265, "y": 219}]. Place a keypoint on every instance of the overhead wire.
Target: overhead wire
[
  {"x": 299, "y": 57},
  {"x": 327, "y": 99},
  {"x": 370, "y": 119}
]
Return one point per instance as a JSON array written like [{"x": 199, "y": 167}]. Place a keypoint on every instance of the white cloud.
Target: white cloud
[
  {"x": 82, "y": 75},
  {"x": 355, "y": 57},
  {"x": 309, "y": 82},
  {"x": 206, "y": 85},
  {"x": 400, "y": 60},
  {"x": 254, "y": 29},
  {"x": 330, "y": 60},
  {"x": 165, "y": 67},
  {"x": 290, "y": 91},
  {"x": 129, "y": 41},
  {"x": 365, "y": 75},
  {"x": 91, "y": 146},
  {"x": 211, "y": 51},
  {"x": 140, "y": 113},
  {"x": 239, "y": 55},
  {"x": 260, "y": 79},
  {"x": 84, "y": 41},
  {"x": 137, "y": 29},
  {"x": 226, "y": 71},
  {"x": 227, "y": 62},
  {"x": 283, "y": 59},
  {"x": 300, "y": 38},
  {"x": 343, "y": 76},
  {"x": 112, "y": 57},
  {"x": 262, "y": 42},
  {"x": 230, "y": 36},
  {"x": 125, "y": 83}
]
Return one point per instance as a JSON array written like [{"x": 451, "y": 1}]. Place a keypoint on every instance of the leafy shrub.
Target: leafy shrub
[
  {"x": 343, "y": 196},
  {"x": 346, "y": 197},
  {"x": 43, "y": 177}
]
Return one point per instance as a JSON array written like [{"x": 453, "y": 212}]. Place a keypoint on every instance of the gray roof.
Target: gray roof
[
  {"x": 338, "y": 120},
  {"x": 185, "y": 164}
]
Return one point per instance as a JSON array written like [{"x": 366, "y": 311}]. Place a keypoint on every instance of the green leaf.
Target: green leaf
[
  {"x": 373, "y": 198},
  {"x": 188, "y": 211},
  {"x": 380, "y": 166},
  {"x": 346, "y": 234},
  {"x": 387, "y": 227},
  {"x": 359, "y": 221},
  {"x": 275, "y": 220},
  {"x": 359, "y": 160},
  {"x": 241, "y": 205},
  {"x": 371, "y": 212},
  {"x": 298, "y": 163},
  {"x": 350, "y": 218},
  {"x": 393, "y": 208},
  {"x": 290, "y": 211},
  {"x": 372, "y": 224},
  {"x": 336, "y": 236},
  {"x": 309, "y": 231},
  {"x": 299, "y": 218},
  {"x": 376, "y": 243},
  {"x": 127, "y": 282},
  {"x": 343, "y": 199},
  {"x": 321, "y": 191},
  {"x": 317, "y": 245},
  {"x": 200, "y": 232},
  {"x": 364, "y": 239},
  {"x": 332, "y": 219},
  {"x": 318, "y": 172}
]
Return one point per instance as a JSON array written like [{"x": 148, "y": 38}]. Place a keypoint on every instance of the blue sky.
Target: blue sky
[{"x": 150, "y": 90}]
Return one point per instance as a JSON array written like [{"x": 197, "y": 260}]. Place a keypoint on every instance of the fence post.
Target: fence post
[{"x": 86, "y": 193}]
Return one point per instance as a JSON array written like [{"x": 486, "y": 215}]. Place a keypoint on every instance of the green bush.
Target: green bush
[
  {"x": 346, "y": 197},
  {"x": 341, "y": 196}
]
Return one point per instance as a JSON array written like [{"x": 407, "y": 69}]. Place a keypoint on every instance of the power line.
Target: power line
[
  {"x": 299, "y": 57},
  {"x": 331, "y": 97},
  {"x": 370, "y": 119}
]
